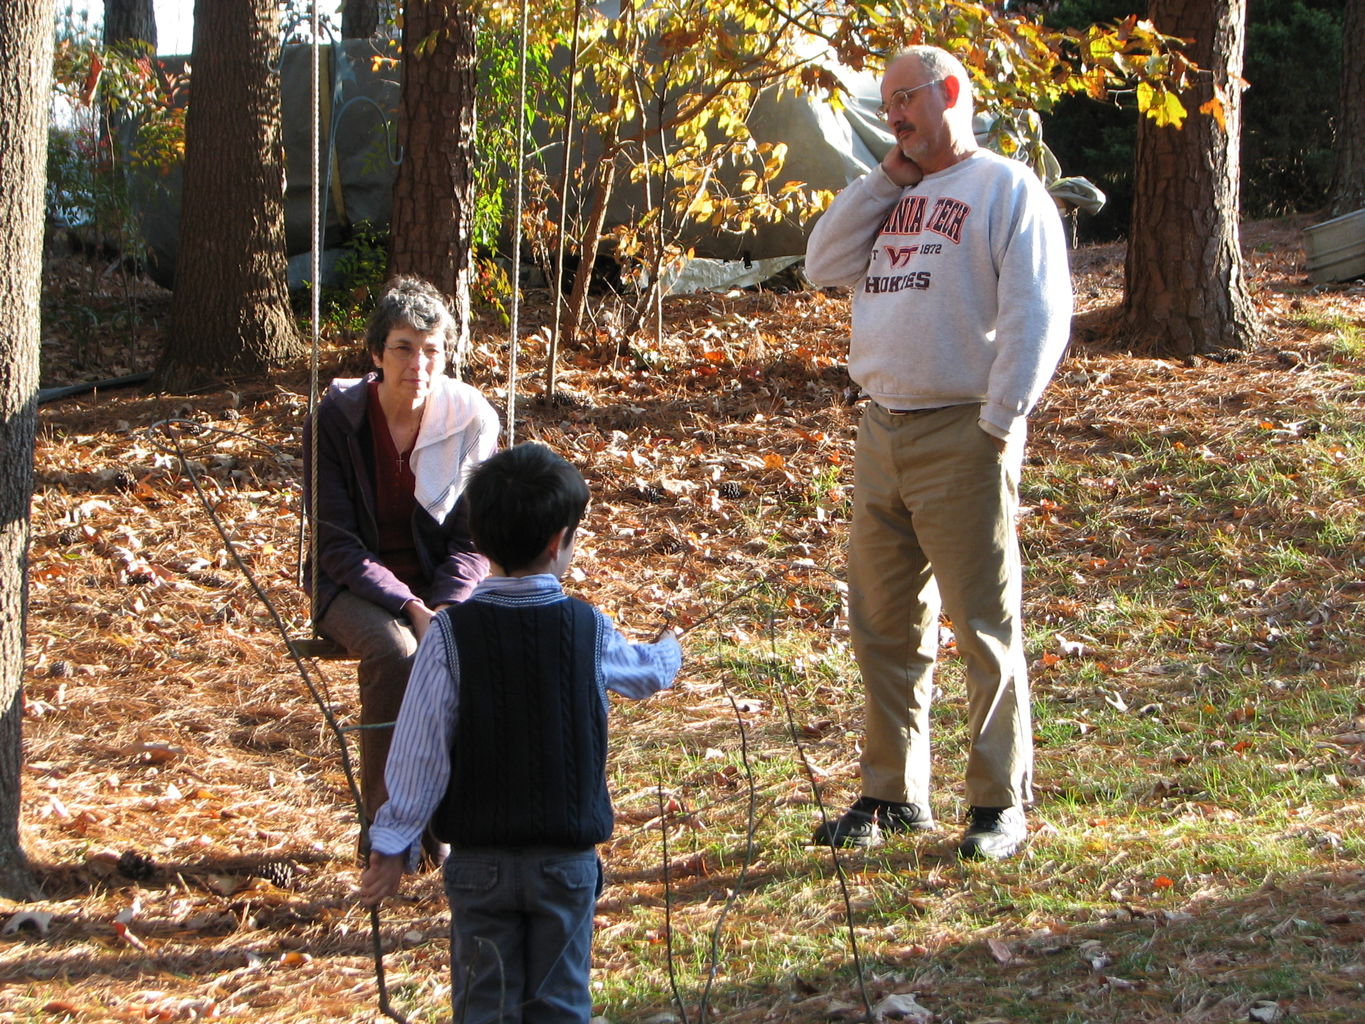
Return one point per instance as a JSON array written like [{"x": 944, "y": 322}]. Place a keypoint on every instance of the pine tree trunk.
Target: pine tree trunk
[
  {"x": 129, "y": 19},
  {"x": 1185, "y": 290},
  {"x": 433, "y": 194},
  {"x": 230, "y": 315},
  {"x": 1348, "y": 182},
  {"x": 25, "y": 84}
]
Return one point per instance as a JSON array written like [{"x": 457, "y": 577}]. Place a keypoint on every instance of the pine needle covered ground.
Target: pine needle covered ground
[{"x": 1195, "y": 573}]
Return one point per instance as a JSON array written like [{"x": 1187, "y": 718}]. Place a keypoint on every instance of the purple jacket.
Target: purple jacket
[{"x": 347, "y": 532}]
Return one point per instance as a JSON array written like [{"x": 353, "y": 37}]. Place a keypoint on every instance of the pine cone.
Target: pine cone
[
  {"x": 731, "y": 489},
  {"x": 134, "y": 865},
  {"x": 669, "y": 545},
  {"x": 281, "y": 873}
]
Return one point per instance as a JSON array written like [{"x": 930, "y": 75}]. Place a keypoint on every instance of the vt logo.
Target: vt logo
[{"x": 899, "y": 254}]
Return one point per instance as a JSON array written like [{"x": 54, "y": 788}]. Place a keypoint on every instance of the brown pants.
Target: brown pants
[
  {"x": 385, "y": 645},
  {"x": 933, "y": 527}
]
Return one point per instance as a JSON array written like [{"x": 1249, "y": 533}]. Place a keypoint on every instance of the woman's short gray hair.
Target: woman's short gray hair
[{"x": 409, "y": 301}]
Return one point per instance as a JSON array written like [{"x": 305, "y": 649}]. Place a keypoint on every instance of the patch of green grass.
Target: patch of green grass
[
  {"x": 1316, "y": 320},
  {"x": 1187, "y": 801},
  {"x": 1348, "y": 342}
]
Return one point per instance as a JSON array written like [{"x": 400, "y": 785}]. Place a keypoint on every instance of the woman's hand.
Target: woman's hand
[{"x": 419, "y": 615}]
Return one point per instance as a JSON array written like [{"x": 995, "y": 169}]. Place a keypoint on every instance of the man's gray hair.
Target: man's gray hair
[
  {"x": 409, "y": 301},
  {"x": 938, "y": 64}
]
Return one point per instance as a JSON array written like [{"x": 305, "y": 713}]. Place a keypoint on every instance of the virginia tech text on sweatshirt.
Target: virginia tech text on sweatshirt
[{"x": 961, "y": 288}]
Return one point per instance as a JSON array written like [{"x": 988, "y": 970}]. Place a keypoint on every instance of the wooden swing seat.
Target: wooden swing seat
[{"x": 319, "y": 647}]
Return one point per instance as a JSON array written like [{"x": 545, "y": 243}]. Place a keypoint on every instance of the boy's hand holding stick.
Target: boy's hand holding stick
[{"x": 381, "y": 878}]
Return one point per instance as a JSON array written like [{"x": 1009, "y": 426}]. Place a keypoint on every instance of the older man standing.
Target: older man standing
[{"x": 961, "y": 311}]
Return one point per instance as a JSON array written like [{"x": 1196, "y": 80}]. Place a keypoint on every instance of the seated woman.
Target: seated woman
[{"x": 391, "y": 540}]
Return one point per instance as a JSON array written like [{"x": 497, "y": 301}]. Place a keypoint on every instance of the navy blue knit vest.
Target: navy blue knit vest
[{"x": 529, "y": 753}]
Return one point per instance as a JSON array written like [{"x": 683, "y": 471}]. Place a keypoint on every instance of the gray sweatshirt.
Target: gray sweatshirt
[{"x": 961, "y": 288}]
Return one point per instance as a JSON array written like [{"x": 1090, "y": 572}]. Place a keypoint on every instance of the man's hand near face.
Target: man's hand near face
[{"x": 900, "y": 168}]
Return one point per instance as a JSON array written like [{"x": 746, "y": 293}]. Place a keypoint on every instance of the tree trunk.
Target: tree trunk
[
  {"x": 129, "y": 19},
  {"x": 1348, "y": 181},
  {"x": 1185, "y": 292},
  {"x": 230, "y": 315},
  {"x": 125, "y": 21},
  {"x": 360, "y": 19},
  {"x": 433, "y": 194},
  {"x": 588, "y": 247},
  {"x": 25, "y": 84}
]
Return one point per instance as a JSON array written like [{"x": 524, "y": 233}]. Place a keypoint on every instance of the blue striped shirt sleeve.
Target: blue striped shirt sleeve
[
  {"x": 416, "y": 779},
  {"x": 634, "y": 670}
]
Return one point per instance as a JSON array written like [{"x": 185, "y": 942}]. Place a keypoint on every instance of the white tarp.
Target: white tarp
[{"x": 826, "y": 148}]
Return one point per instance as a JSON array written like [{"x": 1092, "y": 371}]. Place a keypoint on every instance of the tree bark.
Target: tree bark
[
  {"x": 1185, "y": 291},
  {"x": 1348, "y": 180},
  {"x": 360, "y": 19},
  {"x": 230, "y": 315},
  {"x": 589, "y": 246},
  {"x": 129, "y": 19},
  {"x": 433, "y": 194},
  {"x": 25, "y": 84}
]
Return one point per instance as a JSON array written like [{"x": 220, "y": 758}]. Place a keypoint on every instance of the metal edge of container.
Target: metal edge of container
[{"x": 1335, "y": 249}]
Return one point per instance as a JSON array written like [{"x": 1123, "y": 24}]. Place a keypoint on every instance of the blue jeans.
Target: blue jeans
[{"x": 521, "y": 934}]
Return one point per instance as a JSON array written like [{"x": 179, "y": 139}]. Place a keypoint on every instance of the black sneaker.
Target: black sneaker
[
  {"x": 994, "y": 833},
  {"x": 864, "y": 822}
]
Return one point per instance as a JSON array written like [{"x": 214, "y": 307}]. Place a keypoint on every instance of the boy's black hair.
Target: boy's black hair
[{"x": 518, "y": 499}]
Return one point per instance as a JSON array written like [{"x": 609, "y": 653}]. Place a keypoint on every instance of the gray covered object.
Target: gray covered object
[
  {"x": 827, "y": 149},
  {"x": 362, "y": 108},
  {"x": 362, "y": 103}
]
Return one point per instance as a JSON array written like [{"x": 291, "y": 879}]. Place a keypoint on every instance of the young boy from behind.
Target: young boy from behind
[{"x": 502, "y": 743}]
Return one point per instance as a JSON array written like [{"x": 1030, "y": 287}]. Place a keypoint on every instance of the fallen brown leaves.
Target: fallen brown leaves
[{"x": 184, "y": 805}]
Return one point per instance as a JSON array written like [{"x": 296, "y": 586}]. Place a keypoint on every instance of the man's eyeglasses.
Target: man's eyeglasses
[
  {"x": 900, "y": 99},
  {"x": 429, "y": 354}
]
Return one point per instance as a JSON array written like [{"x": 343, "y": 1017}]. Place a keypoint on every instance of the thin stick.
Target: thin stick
[
  {"x": 552, "y": 356},
  {"x": 668, "y": 905},
  {"x": 514, "y": 328},
  {"x": 749, "y": 831},
  {"x": 336, "y": 728},
  {"x": 795, "y": 735}
]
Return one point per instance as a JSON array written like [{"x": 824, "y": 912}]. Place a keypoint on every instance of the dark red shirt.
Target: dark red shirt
[{"x": 395, "y": 499}]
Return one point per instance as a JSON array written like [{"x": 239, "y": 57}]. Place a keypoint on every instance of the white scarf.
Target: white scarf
[{"x": 459, "y": 430}]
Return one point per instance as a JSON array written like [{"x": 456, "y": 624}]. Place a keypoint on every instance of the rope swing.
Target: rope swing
[
  {"x": 517, "y": 200},
  {"x": 308, "y": 527},
  {"x": 759, "y": 602},
  {"x": 305, "y": 649}
]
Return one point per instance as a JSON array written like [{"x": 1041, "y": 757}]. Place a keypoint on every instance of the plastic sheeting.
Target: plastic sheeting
[{"x": 827, "y": 147}]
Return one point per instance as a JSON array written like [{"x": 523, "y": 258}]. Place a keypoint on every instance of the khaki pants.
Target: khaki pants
[{"x": 933, "y": 525}]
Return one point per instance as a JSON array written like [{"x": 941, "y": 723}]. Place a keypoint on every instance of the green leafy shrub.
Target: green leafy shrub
[
  {"x": 114, "y": 108},
  {"x": 359, "y": 273}
]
